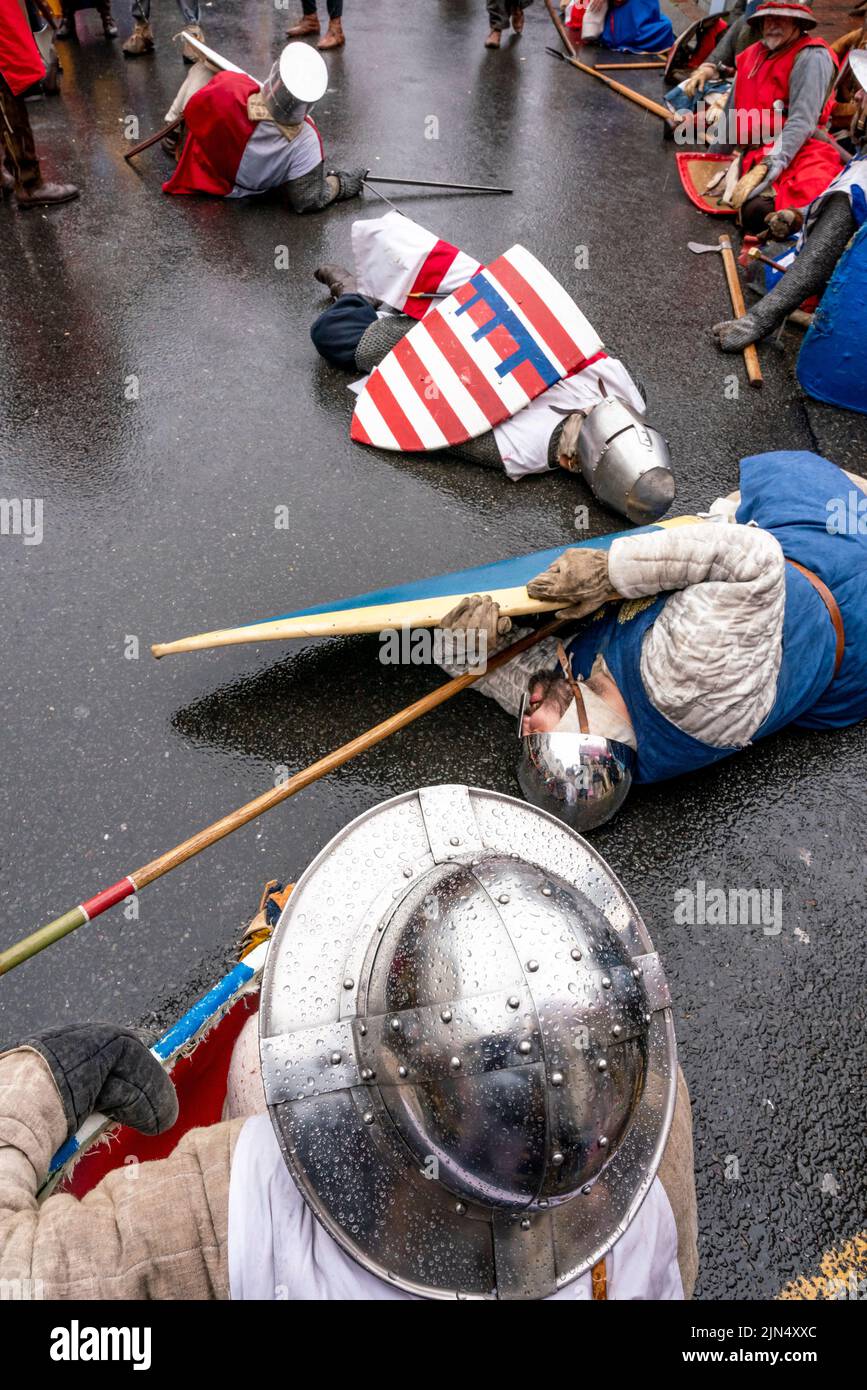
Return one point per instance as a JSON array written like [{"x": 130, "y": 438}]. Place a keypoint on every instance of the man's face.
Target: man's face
[
  {"x": 545, "y": 708},
  {"x": 777, "y": 32}
]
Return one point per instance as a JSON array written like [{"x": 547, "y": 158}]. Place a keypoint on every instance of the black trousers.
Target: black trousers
[
  {"x": 141, "y": 10},
  {"x": 339, "y": 329},
  {"x": 335, "y": 8}
]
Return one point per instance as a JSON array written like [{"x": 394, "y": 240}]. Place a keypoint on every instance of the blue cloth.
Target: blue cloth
[
  {"x": 339, "y": 329},
  {"x": 678, "y": 100},
  {"x": 637, "y": 27},
  {"x": 792, "y": 495},
  {"x": 820, "y": 519},
  {"x": 832, "y": 363}
]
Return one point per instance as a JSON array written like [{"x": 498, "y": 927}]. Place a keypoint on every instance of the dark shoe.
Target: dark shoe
[
  {"x": 493, "y": 39},
  {"x": 338, "y": 279},
  {"x": 44, "y": 194},
  {"x": 65, "y": 29},
  {"x": 171, "y": 143},
  {"x": 307, "y": 25},
  {"x": 109, "y": 28},
  {"x": 51, "y": 80},
  {"x": 334, "y": 37}
]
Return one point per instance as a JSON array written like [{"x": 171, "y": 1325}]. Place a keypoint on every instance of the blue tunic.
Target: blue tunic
[
  {"x": 636, "y": 27},
  {"x": 831, "y": 363},
  {"x": 813, "y": 510}
]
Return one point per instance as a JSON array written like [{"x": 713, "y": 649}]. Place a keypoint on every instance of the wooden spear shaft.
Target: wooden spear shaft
[
  {"x": 751, "y": 356},
  {"x": 561, "y": 29},
  {"x": 625, "y": 67},
  {"x": 152, "y": 139},
  {"x": 157, "y": 868},
  {"x": 653, "y": 106}
]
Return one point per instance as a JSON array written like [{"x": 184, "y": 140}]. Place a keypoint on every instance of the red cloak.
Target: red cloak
[
  {"x": 218, "y": 130},
  {"x": 20, "y": 60},
  {"x": 762, "y": 79}
]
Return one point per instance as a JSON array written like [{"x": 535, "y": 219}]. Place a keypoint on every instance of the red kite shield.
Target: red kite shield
[{"x": 476, "y": 359}]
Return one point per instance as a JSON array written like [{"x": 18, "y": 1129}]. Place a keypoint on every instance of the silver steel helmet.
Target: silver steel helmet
[
  {"x": 297, "y": 79},
  {"x": 625, "y": 462},
  {"x": 858, "y": 63},
  {"x": 582, "y": 779},
  {"x": 467, "y": 1046}
]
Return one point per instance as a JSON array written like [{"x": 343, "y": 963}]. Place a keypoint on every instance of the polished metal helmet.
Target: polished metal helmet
[
  {"x": 298, "y": 78},
  {"x": 467, "y": 1046},
  {"x": 625, "y": 462},
  {"x": 578, "y": 776},
  {"x": 858, "y": 64},
  {"x": 582, "y": 779}
]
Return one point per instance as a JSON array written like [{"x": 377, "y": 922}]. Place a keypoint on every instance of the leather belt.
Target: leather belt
[{"x": 831, "y": 604}]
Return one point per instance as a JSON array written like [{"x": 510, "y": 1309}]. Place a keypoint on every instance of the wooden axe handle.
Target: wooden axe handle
[
  {"x": 751, "y": 356},
  {"x": 152, "y": 139}
]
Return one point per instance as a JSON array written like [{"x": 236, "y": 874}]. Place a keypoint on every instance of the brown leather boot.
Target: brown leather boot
[
  {"x": 493, "y": 39},
  {"x": 308, "y": 24},
  {"x": 43, "y": 194},
  {"x": 338, "y": 279},
  {"x": 334, "y": 36},
  {"x": 518, "y": 21},
  {"x": 140, "y": 41}
]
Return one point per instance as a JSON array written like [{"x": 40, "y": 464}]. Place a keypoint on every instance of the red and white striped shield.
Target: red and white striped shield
[{"x": 476, "y": 359}]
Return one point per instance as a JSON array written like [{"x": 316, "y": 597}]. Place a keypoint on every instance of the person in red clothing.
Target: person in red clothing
[
  {"x": 780, "y": 109},
  {"x": 21, "y": 66},
  {"x": 246, "y": 138}
]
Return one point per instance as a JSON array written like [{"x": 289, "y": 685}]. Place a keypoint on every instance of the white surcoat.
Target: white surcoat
[{"x": 278, "y": 1249}]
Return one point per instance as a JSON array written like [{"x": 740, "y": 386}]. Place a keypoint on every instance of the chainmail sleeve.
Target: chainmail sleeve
[
  {"x": 482, "y": 450},
  {"x": 317, "y": 190},
  {"x": 812, "y": 268},
  {"x": 378, "y": 340}
]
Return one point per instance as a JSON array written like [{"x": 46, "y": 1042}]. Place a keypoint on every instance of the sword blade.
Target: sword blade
[
  {"x": 214, "y": 59},
  {"x": 366, "y": 183},
  {"x": 432, "y": 183}
]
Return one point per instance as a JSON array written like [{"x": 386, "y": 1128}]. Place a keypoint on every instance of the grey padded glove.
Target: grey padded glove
[{"x": 99, "y": 1066}]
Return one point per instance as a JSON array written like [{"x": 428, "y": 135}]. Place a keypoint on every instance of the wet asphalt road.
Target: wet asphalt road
[{"x": 159, "y": 520}]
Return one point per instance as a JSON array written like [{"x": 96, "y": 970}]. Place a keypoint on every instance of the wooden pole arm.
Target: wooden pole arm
[
  {"x": 76, "y": 917},
  {"x": 751, "y": 356}
]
